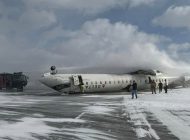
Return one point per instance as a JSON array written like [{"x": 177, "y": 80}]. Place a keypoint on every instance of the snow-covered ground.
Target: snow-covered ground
[
  {"x": 172, "y": 110},
  {"x": 94, "y": 117}
]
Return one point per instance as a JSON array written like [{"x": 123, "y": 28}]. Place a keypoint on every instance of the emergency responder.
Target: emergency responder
[{"x": 153, "y": 87}]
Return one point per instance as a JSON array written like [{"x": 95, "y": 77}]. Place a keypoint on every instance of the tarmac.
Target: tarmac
[{"x": 36, "y": 116}]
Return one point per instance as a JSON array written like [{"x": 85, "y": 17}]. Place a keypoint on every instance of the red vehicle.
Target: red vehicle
[
  {"x": 1, "y": 82},
  {"x": 10, "y": 81}
]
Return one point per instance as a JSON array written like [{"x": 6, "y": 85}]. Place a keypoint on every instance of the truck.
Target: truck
[{"x": 9, "y": 81}]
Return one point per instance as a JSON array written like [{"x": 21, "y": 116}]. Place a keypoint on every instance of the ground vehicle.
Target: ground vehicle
[{"x": 10, "y": 81}]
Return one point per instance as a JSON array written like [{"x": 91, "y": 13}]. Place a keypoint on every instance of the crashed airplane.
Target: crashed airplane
[{"x": 88, "y": 83}]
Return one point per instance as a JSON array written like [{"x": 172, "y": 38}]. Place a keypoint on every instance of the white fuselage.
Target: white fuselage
[{"x": 74, "y": 83}]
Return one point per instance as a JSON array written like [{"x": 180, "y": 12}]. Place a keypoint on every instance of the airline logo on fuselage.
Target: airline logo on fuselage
[{"x": 95, "y": 86}]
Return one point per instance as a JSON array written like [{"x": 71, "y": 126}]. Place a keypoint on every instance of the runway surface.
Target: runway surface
[{"x": 39, "y": 116}]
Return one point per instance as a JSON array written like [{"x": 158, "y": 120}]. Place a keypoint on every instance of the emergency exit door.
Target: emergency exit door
[
  {"x": 149, "y": 80},
  {"x": 77, "y": 80}
]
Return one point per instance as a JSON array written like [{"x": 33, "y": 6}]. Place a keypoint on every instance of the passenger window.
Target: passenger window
[
  {"x": 100, "y": 82},
  {"x": 86, "y": 83},
  {"x": 105, "y": 82},
  {"x": 95, "y": 82},
  {"x": 92, "y": 83},
  {"x": 109, "y": 82}
]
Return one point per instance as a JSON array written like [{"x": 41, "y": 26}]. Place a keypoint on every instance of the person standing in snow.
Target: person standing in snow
[
  {"x": 153, "y": 87},
  {"x": 160, "y": 86},
  {"x": 134, "y": 89},
  {"x": 166, "y": 86}
]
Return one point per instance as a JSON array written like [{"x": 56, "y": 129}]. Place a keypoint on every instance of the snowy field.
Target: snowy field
[{"x": 95, "y": 117}]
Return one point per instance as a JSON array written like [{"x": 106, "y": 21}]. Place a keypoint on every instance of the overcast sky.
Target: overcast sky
[{"x": 35, "y": 34}]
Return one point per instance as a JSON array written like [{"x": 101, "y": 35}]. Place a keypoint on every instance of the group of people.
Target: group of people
[
  {"x": 152, "y": 87},
  {"x": 160, "y": 86}
]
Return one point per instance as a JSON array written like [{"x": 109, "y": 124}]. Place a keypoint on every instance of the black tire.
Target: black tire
[{"x": 20, "y": 89}]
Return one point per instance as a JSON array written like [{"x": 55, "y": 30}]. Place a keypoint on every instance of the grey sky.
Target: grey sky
[{"x": 35, "y": 34}]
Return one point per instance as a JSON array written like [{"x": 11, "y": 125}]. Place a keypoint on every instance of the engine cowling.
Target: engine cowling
[{"x": 53, "y": 70}]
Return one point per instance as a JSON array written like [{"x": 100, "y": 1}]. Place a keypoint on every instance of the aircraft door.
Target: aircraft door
[
  {"x": 80, "y": 80},
  {"x": 75, "y": 80},
  {"x": 149, "y": 79}
]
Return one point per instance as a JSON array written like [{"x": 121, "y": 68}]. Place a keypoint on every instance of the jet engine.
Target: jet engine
[{"x": 53, "y": 70}]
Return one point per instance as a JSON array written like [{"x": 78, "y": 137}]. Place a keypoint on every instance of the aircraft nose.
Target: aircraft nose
[
  {"x": 42, "y": 79},
  {"x": 55, "y": 82},
  {"x": 52, "y": 80},
  {"x": 45, "y": 79}
]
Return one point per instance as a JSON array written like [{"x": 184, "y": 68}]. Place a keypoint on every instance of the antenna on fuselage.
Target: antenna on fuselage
[{"x": 53, "y": 70}]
